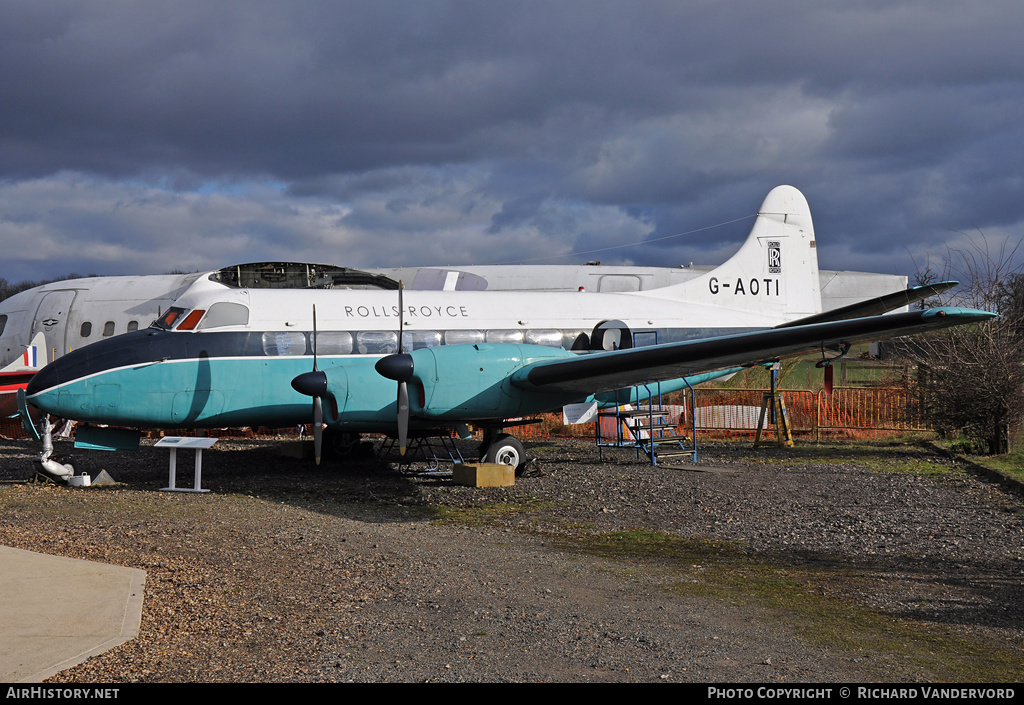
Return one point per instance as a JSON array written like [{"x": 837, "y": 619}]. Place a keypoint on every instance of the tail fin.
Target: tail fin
[
  {"x": 773, "y": 275},
  {"x": 32, "y": 358}
]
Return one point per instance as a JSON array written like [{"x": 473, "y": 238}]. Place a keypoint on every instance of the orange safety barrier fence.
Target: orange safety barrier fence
[
  {"x": 868, "y": 413},
  {"x": 734, "y": 413},
  {"x": 849, "y": 412}
]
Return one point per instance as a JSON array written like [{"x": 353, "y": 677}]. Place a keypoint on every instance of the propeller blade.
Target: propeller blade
[
  {"x": 318, "y": 428},
  {"x": 314, "y": 384},
  {"x": 399, "y": 367},
  {"x": 401, "y": 316},
  {"x": 403, "y": 417}
]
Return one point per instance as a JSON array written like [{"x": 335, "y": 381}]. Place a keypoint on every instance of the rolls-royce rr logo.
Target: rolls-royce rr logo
[{"x": 774, "y": 257}]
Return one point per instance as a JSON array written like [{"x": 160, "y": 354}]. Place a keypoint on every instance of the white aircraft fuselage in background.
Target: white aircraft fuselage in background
[{"x": 40, "y": 325}]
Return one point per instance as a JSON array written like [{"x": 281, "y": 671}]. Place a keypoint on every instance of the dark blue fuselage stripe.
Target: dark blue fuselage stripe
[{"x": 154, "y": 345}]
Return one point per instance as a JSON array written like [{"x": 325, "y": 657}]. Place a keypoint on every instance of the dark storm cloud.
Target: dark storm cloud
[
  {"x": 295, "y": 90},
  {"x": 456, "y": 132}
]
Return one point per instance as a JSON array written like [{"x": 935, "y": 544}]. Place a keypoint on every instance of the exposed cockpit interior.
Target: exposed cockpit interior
[{"x": 300, "y": 275}]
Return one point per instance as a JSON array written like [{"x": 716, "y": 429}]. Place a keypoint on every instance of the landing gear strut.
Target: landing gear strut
[{"x": 343, "y": 445}]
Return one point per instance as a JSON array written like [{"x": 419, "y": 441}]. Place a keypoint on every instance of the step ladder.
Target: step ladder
[
  {"x": 649, "y": 429},
  {"x": 422, "y": 449}
]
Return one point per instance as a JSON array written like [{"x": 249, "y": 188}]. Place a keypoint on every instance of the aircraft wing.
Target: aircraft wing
[
  {"x": 876, "y": 306},
  {"x": 599, "y": 372}
]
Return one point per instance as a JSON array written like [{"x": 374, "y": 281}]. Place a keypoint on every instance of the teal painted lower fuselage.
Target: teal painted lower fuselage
[{"x": 206, "y": 392}]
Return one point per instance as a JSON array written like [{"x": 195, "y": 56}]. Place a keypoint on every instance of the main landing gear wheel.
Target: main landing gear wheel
[
  {"x": 506, "y": 450},
  {"x": 343, "y": 445}
]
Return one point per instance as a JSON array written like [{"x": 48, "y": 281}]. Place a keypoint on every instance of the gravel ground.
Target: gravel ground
[{"x": 818, "y": 563}]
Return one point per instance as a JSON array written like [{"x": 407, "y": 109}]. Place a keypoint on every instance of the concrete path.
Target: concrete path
[{"x": 56, "y": 612}]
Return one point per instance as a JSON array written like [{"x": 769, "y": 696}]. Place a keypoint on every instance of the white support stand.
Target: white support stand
[{"x": 175, "y": 442}]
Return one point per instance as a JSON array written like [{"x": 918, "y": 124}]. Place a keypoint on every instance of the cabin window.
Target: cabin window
[
  {"x": 370, "y": 342},
  {"x": 108, "y": 329},
  {"x": 225, "y": 313},
  {"x": 3, "y": 323},
  {"x": 277, "y": 343},
  {"x": 463, "y": 337},
  {"x": 86, "y": 330},
  {"x": 132, "y": 326},
  {"x": 167, "y": 320},
  {"x": 333, "y": 343},
  {"x": 504, "y": 336},
  {"x": 416, "y": 339},
  {"x": 551, "y": 338}
]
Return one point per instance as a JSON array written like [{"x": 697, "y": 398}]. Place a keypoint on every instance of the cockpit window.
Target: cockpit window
[
  {"x": 168, "y": 320},
  {"x": 3, "y": 323},
  {"x": 191, "y": 319}
]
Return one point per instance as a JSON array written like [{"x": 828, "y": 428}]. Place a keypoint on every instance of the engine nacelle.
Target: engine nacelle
[{"x": 469, "y": 382}]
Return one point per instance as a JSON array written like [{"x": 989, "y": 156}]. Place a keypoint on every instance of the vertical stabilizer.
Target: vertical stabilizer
[
  {"x": 773, "y": 275},
  {"x": 32, "y": 358}
]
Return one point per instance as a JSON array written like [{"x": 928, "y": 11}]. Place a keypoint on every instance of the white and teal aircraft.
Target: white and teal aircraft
[{"x": 377, "y": 360}]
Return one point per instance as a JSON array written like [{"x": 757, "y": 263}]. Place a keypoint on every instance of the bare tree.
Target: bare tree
[
  {"x": 971, "y": 378},
  {"x": 9, "y": 288}
]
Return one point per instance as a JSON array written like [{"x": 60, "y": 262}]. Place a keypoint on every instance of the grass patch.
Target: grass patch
[
  {"x": 922, "y": 468},
  {"x": 903, "y": 456},
  {"x": 640, "y": 543},
  {"x": 486, "y": 514},
  {"x": 1011, "y": 464},
  {"x": 812, "y": 601}
]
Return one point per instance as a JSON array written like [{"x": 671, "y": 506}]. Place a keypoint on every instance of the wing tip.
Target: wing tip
[{"x": 959, "y": 313}]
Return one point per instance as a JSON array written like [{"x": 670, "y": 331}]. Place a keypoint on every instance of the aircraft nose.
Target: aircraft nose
[
  {"x": 92, "y": 359},
  {"x": 48, "y": 377}
]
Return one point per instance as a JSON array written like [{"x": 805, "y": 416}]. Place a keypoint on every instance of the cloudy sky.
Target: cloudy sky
[{"x": 146, "y": 137}]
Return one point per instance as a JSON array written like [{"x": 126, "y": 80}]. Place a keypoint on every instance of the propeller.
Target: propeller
[
  {"x": 314, "y": 384},
  {"x": 398, "y": 366}
]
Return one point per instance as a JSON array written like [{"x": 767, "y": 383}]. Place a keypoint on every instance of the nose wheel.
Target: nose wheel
[{"x": 504, "y": 450}]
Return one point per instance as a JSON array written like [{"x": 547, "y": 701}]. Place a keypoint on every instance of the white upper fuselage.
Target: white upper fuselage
[
  {"x": 444, "y": 317},
  {"x": 772, "y": 279}
]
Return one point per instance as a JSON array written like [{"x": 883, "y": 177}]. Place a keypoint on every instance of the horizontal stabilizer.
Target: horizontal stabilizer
[{"x": 875, "y": 307}]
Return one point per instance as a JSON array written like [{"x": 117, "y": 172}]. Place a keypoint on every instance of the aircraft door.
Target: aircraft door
[
  {"x": 619, "y": 282},
  {"x": 52, "y": 319}
]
